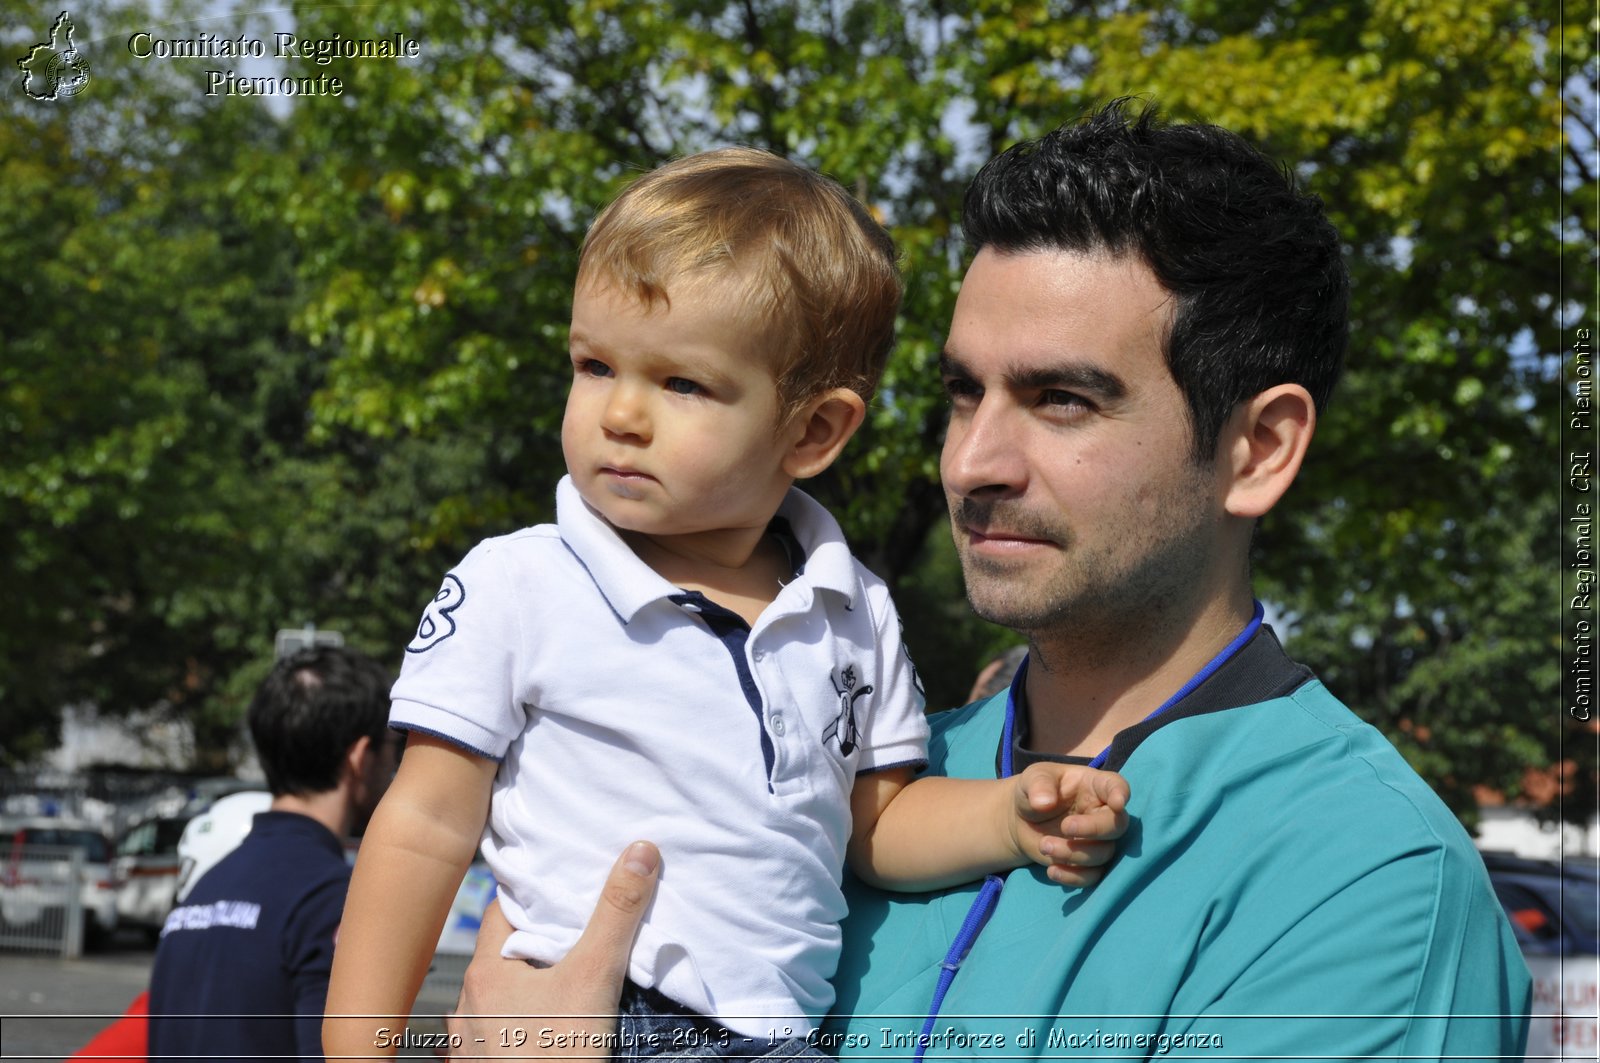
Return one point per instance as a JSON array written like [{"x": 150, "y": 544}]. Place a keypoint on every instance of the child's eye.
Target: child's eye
[
  {"x": 679, "y": 386},
  {"x": 590, "y": 367}
]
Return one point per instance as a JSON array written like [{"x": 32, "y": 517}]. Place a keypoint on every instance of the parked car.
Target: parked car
[
  {"x": 1554, "y": 911},
  {"x": 147, "y": 867},
  {"x": 1572, "y": 867},
  {"x": 34, "y": 876},
  {"x": 1551, "y": 912}
]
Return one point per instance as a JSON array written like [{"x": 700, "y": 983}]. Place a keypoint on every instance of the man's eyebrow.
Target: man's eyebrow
[
  {"x": 1069, "y": 376},
  {"x": 1063, "y": 376},
  {"x": 950, "y": 365}
]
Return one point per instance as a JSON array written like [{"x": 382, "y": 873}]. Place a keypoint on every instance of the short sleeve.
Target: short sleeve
[
  {"x": 458, "y": 680},
  {"x": 895, "y": 733}
]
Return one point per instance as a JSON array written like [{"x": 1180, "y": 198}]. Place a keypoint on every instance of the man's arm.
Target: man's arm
[
  {"x": 569, "y": 1007},
  {"x": 933, "y": 832},
  {"x": 412, "y": 859}
]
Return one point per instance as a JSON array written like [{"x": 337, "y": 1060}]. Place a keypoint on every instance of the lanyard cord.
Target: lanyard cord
[
  {"x": 1188, "y": 688},
  {"x": 988, "y": 898},
  {"x": 971, "y": 927}
]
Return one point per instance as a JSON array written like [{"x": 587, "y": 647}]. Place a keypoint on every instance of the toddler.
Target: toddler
[{"x": 690, "y": 654}]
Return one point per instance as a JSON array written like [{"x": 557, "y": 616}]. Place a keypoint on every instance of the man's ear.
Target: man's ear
[
  {"x": 1263, "y": 445},
  {"x": 819, "y": 431},
  {"x": 357, "y": 756}
]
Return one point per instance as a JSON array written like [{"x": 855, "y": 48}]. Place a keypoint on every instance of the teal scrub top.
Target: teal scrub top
[{"x": 1288, "y": 888}]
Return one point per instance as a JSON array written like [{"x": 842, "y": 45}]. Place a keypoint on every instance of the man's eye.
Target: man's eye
[
  {"x": 957, "y": 388},
  {"x": 679, "y": 386},
  {"x": 590, "y": 367},
  {"x": 1062, "y": 398}
]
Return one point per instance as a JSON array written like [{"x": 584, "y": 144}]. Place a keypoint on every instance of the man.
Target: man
[
  {"x": 1152, "y": 321},
  {"x": 255, "y": 936}
]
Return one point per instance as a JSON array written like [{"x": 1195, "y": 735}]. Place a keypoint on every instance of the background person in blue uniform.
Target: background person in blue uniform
[
  {"x": 1152, "y": 321},
  {"x": 255, "y": 935}
]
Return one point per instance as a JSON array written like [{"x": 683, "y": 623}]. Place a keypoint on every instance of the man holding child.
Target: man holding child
[{"x": 1153, "y": 320}]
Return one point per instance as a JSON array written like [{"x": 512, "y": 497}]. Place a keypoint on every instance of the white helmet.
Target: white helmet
[{"x": 215, "y": 833}]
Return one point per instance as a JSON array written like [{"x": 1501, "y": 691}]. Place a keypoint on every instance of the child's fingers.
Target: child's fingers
[
  {"x": 1075, "y": 854},
  {"x": 1075, "y": 876},
  {"x": 1104, "y": 823},
  {"x": 1040, "y": 793},
  {"x": 1105, "y": 788}
]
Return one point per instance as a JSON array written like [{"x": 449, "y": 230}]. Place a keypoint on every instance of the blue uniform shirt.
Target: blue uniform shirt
[{"x": 253, "y": 938}]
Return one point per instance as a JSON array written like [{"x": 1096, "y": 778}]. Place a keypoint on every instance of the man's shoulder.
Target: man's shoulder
[
  {"x": 964, "y": 742},
  {"x": 1305, "y": 756},
  {"x": 292, "y": 862}
]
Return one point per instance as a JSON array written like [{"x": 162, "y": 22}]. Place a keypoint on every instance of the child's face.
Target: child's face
[{"x": 672, "y": 423}]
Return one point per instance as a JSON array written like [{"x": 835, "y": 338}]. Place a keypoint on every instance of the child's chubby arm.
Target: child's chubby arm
[
  {"x": 413, "y": 856},
  {"x": 933, "y": 832}
]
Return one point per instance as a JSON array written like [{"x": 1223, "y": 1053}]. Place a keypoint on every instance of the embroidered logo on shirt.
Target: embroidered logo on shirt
[
  {"x": 843, "y": 729},
  {"x": 241, "y": 914},
  {"x": 437, "y": 623}
]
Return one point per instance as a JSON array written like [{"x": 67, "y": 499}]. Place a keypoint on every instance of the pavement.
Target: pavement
[{"x": 51, "y": 1007}]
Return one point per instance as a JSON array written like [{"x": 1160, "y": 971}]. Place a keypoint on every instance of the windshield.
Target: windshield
[{"x": 95, "y": 848}]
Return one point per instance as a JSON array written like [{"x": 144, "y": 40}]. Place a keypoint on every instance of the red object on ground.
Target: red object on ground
[{"x": 126, "y": 1039}]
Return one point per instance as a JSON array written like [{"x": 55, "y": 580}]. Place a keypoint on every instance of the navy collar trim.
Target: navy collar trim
[
  {"x": 270, "y": 822},
  {"x": 1261, "y": 671}
]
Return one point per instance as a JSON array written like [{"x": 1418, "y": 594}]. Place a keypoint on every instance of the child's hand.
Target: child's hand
[{"x": 1066, "y": 817}]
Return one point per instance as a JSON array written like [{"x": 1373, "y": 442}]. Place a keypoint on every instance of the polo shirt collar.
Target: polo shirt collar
[
  {"x": 829, "y": 565},
  {"x": 628, "y": 584}
]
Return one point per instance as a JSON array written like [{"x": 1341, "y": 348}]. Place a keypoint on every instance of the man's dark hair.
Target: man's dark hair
[
  {"x": 310, "y": 710},
  {"x": 1260, "y": 289}
]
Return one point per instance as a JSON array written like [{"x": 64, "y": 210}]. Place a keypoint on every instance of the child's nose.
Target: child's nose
[{"x": 625, "y": 414}]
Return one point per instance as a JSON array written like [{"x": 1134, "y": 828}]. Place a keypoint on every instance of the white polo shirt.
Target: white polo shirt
[{"x": 621, "y": 707}]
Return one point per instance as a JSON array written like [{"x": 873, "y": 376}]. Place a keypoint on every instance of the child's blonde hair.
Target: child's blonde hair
[{"x": 817, "y": 273}]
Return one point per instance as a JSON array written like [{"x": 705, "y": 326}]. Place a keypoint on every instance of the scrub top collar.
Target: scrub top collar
[{"x": 1260, "y": 671}]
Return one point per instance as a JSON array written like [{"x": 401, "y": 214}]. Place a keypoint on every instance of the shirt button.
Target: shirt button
[
  {"x": 759, "y": 655},
  {"x": 777, "y": 724}
]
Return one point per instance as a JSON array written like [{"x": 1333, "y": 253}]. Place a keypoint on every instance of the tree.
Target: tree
[
  {"x": 419, "y": 236},
  {"x": 164, "y": 507}
]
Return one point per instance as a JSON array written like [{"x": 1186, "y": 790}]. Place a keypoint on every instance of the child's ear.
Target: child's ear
[{"x": 820, "y": 430}]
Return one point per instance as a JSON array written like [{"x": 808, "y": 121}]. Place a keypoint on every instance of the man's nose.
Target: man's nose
[{"x": 983, "y": 453}]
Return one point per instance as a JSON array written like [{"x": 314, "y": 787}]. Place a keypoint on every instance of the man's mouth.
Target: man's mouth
[
  {"x": 981, "y": 527},
  {"x": 1001, "y": 538}
]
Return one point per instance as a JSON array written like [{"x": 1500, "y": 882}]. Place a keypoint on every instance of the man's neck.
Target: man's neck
[
  {"x": 331, "y": 808},
  {"x": 1082, "y": 690}
]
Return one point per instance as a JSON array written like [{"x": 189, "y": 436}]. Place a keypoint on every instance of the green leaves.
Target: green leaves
[{"x": 266, "y": 368}]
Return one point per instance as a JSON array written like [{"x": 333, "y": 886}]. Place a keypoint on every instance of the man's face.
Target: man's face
[
  {"x": 383, "y": 760},
  {"x": 1074, "y": 499}
]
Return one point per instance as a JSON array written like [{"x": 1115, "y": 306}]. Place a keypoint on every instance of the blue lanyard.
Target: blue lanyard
[{"x": 988, "y": 898}]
